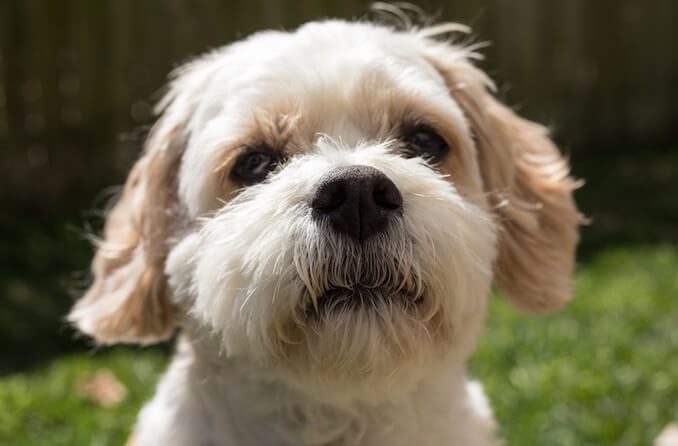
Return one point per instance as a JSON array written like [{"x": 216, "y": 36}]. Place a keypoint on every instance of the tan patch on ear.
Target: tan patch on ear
[
  {"x": 528, "y": 185},
  {"x": 129, "y": 300},
  {"x": 538, "y": 214}
]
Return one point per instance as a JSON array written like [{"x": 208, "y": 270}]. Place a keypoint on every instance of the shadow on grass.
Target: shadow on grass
[
  {"x": 37, "y": 276},
  {"x": 631, "y": 197},
  {"x": 44, "y": 270}
]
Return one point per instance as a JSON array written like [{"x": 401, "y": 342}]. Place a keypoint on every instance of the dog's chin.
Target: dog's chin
[{"x": 363, "y": 341}]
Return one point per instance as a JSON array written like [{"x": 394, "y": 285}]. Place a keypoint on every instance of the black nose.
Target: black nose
[{"x": 357, "y": 200}]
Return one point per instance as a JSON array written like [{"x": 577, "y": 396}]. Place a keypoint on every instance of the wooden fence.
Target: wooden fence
[{"x": 77, "y": 77}]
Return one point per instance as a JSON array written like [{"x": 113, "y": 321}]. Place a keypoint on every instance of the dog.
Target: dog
[{"x": 322, "y": 214}]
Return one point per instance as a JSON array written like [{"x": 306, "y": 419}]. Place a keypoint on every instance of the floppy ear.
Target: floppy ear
[
  {"x": 129, "y": 299},
  {"x": 529, "y": 188}
]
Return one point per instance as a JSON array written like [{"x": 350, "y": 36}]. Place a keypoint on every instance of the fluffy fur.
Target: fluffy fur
[{"x": 264, "y": 356}]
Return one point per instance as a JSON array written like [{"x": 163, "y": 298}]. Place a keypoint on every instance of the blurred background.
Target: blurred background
[{"x": 78, "y": 79}]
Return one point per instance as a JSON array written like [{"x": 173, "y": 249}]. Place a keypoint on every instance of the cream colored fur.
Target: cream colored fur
[{"x": 241, "y": 270}]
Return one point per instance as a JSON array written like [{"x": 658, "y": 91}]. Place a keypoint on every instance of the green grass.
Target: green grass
[
  {"x": 603, "y": 371},
  {"x": 44, "y": 406}
]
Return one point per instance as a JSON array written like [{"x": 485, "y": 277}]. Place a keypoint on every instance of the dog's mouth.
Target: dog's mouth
[
  {"x": 376, "y": 277},
  {"x": 360, "y": 297}
]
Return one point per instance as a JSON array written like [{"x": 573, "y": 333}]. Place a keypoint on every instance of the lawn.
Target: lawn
[{"x": 603, "y": 371}]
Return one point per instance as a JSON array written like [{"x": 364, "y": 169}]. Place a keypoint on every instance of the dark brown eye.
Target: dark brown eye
[
  {"x": 254, "y": 166},
  {"x": 423, "y": 141}
]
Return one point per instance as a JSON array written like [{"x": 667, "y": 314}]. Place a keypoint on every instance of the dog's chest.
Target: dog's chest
[{"x": 198, "y": 404}]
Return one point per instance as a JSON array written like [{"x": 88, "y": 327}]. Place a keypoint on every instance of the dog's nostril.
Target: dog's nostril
[
  {"x": 329, "y": 197},
  {"x": 357, "y": 200},
  {"x": 387, "y": 195}
]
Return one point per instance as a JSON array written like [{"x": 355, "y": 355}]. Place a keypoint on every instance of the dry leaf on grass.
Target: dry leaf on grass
[{"x": 102, "y": 388}]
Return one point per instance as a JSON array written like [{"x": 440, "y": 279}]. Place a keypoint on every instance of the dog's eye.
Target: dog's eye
[
  {"x": 253, "y": 166},
  {"x": 425, "y": 142}
]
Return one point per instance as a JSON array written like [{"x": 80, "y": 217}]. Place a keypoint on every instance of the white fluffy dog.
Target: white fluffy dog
[{"x": 323, "y": 213}]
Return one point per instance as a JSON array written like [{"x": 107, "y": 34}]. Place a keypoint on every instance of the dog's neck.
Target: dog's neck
[{"x": 241, "y": 401}]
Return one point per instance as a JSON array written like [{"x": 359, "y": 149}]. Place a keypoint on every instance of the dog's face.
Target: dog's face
[{"x": 334, "y": 203}]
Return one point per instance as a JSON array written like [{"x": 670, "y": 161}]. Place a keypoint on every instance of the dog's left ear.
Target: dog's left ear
[{"x": 529, "y": 188}]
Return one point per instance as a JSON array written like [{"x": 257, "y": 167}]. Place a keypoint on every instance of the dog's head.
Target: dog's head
[{"x": 335, "y": 203}]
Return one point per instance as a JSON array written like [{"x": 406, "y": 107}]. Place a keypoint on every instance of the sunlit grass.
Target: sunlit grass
[
  {"x": 45, "y": 407},
  {"x": 603, "y": 371}
]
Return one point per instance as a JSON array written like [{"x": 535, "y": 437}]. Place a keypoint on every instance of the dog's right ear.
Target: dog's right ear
[{"x": 129, "y": 299}]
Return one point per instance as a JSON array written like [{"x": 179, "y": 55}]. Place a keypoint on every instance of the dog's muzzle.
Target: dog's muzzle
[{"x": 356, "y": 200}]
